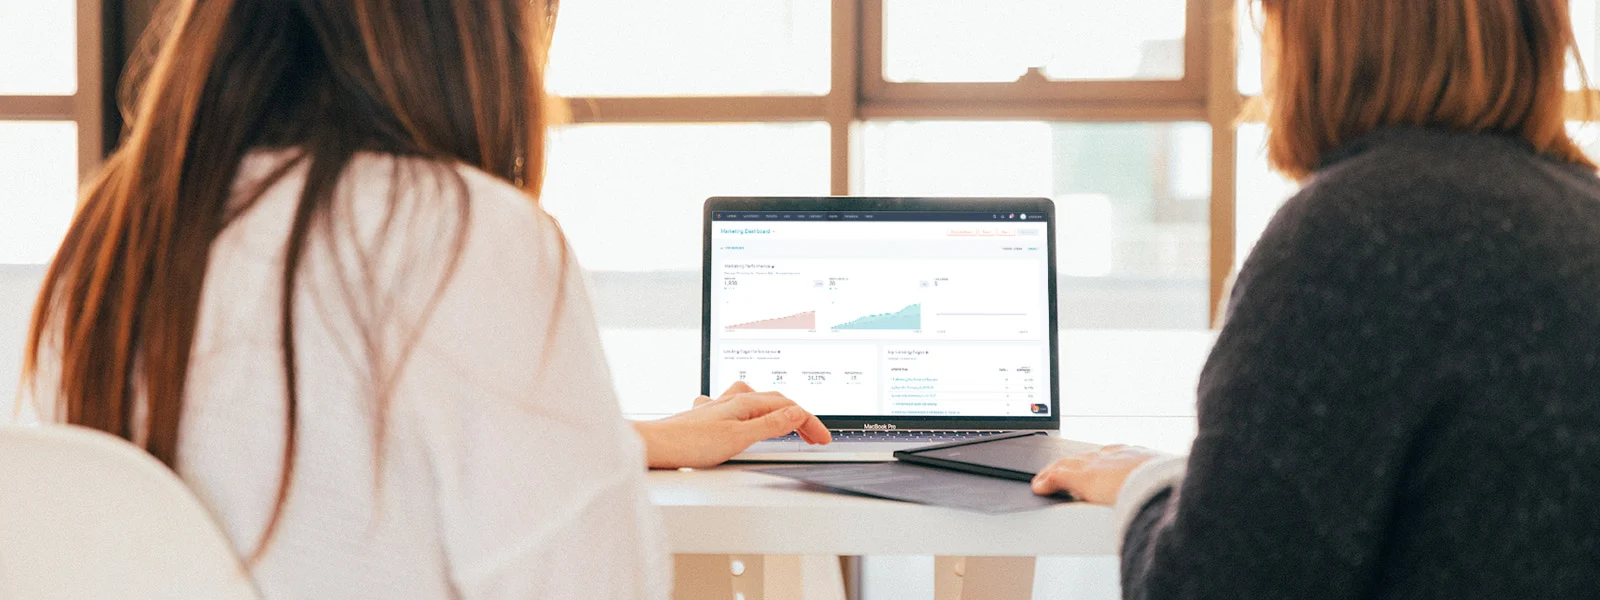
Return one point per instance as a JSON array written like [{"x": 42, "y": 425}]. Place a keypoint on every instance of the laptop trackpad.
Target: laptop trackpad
[{"x": 779, "y": 446}]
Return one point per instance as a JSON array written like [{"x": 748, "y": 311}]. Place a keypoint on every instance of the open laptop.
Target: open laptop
[{"x": 900, "y": 322}]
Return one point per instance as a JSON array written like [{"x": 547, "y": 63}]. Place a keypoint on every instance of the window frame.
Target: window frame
[
  {"x": 1207, "y": 93},
  {"x": 1189, "y": 91},
  {"x": 85, "y": 105}
]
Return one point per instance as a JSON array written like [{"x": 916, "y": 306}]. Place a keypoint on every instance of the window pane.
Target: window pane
[
  {"x": 1586, "y": 27},
  {"x": 1261, "y": 191},
  {"x": 1249, "y": 41},
  {"x": 997, "y": 41},
  {"x": 39, "y": 163},
  {"x": 1587, "y": 135},
  {"x": 691, "y": 48},
  {"x": 1132, "y": 203},
  {"x": 38, "y": 49},
  {"x": 630, "y": 196}
]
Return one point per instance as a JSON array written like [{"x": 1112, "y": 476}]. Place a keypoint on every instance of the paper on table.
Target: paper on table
[{"x": 922, "y": 485}]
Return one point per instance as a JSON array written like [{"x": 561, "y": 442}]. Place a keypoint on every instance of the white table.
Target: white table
[
  {"x": 730, "y": 515},
  {"x": 1117, "y": 387}
]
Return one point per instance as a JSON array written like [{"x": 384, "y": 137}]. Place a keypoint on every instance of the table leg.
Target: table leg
[
  {"x": 756, "y": 577},
  {"x": 850, "y": 571},
  {"x": 697, "y": 576},
  {"x": 983, "y": 577},
  {"x": 822, "y": 578}
]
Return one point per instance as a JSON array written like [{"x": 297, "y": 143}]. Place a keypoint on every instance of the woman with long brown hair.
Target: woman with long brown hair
[
  {"x": 314, "y": 282},
  {"x": 1404, "y": 401}
]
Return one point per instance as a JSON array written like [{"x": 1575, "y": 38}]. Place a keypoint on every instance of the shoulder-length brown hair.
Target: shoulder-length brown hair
[
  {"x": 441, "y": 82},
  {"x": 1347, "y": 67}
]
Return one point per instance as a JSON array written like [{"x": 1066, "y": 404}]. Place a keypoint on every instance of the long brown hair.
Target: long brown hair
[
  {"x": 1347, "y": 67},
  {"x": 444, "y": 81}
]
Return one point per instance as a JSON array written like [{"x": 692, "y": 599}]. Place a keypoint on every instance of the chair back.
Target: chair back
[{"x": 86, "y": 515}]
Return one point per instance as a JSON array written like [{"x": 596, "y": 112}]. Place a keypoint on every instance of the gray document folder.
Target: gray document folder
[{"x": 922, "y": 485}]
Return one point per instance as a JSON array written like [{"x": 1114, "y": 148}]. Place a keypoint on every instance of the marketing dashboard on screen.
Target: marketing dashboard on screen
[{"x": 894, "y": 313}]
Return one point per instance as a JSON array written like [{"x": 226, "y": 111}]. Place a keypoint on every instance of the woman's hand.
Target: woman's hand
[
  {"x": 717, "y": 429},
  {"x": 1094, "y": 477}
]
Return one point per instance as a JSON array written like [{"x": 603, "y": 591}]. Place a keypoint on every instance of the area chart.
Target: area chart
[
  {"x": 802, "y": 321},
  {"x": 908, "y": 318}
]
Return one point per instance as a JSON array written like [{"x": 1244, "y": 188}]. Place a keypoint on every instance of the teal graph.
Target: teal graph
[{"x": 909, "y": 318}]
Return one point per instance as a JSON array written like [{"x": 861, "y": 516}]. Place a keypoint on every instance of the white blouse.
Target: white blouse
[{"x": 506, "y": 469}]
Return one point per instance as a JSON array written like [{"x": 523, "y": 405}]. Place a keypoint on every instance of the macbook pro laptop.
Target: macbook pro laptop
[{"x": 899, "y": 322}]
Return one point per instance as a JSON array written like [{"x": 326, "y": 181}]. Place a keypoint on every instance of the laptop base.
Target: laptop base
[
  {"x": 786, "y": 451},
  {"x": 776, "y": 451},
  {"x": 813, "y": 457}
]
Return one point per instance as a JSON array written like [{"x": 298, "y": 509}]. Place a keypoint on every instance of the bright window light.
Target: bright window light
[
  {"x": 38, "y": 47},
  {"x": 39, "y": 165},
  {"x": 998, "y": 41},
  {"x": 691, "y": 48}
]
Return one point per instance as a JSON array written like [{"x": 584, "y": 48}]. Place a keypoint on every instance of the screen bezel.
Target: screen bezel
[{"x": 894, "y": 204}]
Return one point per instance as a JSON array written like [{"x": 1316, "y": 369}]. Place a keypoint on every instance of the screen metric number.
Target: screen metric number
[{"x": 781, "y": 377}]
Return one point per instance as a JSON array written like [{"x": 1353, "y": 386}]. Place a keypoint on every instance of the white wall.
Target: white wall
[{"x": 19, "y": 286}]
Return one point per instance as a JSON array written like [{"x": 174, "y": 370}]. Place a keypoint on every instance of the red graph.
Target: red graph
[{"x": 805, "y": 320}]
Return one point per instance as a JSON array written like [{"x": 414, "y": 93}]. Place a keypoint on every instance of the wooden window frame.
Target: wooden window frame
[
  {"x": 1207, "y": 93},
  {"x": 82, "y": 106},
  {"x": 1188, "y": 91}
]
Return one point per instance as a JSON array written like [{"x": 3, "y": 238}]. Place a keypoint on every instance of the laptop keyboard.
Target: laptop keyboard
[{"x": 932, "y": 437}]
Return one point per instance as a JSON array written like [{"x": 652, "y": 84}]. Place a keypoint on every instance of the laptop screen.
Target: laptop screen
[{"x": 898, "y": 313}]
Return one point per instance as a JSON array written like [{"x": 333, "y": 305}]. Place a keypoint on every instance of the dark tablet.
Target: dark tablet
[{"x": 1017, "y": 456}]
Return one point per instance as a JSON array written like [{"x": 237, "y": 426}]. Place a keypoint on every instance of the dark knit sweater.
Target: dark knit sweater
[{"x": 1405, "y": 399}]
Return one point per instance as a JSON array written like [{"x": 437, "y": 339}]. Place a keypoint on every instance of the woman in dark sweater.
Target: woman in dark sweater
[{"x": 1405, "y": 399}]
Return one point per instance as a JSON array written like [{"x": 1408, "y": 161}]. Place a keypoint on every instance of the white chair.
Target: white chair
[{"x": 86, "y": 515}]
